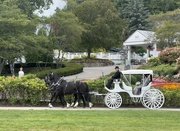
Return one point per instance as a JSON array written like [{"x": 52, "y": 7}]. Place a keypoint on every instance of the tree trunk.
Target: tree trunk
[
  {"x": 1, "y": 65},
  {"x": 58, "y": 62},
  {"x": 89, "y": 53},
  {"x": 11, "y": 63}
]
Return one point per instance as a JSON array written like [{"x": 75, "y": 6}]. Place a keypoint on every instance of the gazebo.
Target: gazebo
[{"x": 141, "y": 38}]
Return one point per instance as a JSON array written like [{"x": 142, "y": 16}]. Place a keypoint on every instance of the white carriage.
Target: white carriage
[{"x": 149, "y": 97}]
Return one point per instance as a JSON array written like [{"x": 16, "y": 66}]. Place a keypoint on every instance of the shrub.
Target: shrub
[
  {"x": 153, "y": 61},
  {"x": 178, "y": 63},
  {"x": 172, "y": 97},
  {"x": 165, "y": 69},
  {"x": 162, "y": 69},
  {"x": 70, "y": 69},
  {"x": 169, "y": 55},
  {"x": 25, "y": 90}
]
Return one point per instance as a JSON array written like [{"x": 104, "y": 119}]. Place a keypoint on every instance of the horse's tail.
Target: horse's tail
[{"x": 88, "y": 96}]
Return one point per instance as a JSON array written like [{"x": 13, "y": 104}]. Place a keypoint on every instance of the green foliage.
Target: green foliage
[
  {"x": 153, "y": 61},
  {"x": 169, "y": 55},
  {"x": 25, "y": 90},
  {"x": 159, "y": 19},
  {"x": 69, "y": 69},
  {"x": 154, "y": 6},
  {"x": 136, "y": 14},
  {"x": 178, "y": 63},
  {"x": 38, "y": 48},
  {"x": 162, "y": 69},
  {"x": 139, "y": 50},
  {"x": 92, "y": 62},
  {"x": 171, "y": 97},
  {"x": 157, "y": 6},
  {"x": 91, "y": 56},
  {"x": 13, "y": 26},
  {"x": 167, "y": 28},
  {"x": 167, "y": 34},
  {"x": 29, "y": 6},
  {"x": 98, "y": 84},
  {"x": 100, "y": 19},
  {"x": 66, "y": 30}
]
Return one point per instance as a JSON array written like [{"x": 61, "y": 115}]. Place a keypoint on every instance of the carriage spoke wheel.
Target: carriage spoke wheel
[
  {"x": 153, "y": 99},
  {"x": 113, "y": 100}
]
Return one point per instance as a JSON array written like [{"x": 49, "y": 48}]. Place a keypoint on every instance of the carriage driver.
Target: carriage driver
[{"x": 117, "y": 75}]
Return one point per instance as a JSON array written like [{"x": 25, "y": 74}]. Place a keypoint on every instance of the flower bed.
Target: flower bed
[
  {"x": 165, "y": 84},
  {"x": 171, "y": 91}
]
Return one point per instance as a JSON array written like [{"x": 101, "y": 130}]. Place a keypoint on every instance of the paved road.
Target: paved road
[
  {"x": 94, "y": 72},
  {"x": 91, "y": 73}
]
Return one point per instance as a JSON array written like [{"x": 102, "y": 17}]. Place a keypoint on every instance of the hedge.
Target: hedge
[
  {"x": 69, "y": 69},
  {"x": 27, "y": 90}
]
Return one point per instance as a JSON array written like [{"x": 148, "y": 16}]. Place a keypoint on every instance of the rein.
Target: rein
[{"x": 58, "y": 82}]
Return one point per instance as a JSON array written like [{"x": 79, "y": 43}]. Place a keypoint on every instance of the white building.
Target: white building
[{"x": 141, "y": 38}]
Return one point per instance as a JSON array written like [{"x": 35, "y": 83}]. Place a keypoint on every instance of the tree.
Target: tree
[
  {"x": 159, "y": 19},
  {"x": 29, "y": 6},
  {"x": 14, "y": 25},
  {"x": 168, "y": 34},
  {"x": 136, "y": 15},
  {"x": 154, "y": 6},
  {"x": 158, "y": 6},
  {"x": 65, "y": 32},
  {"x": 167, "y": 26},
  {"x": 102, "y": 23}
]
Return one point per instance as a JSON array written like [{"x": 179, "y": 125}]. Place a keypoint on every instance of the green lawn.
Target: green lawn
[{"x": 85, "y": 120}]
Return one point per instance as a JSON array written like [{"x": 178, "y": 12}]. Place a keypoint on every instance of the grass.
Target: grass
[{"x": 93, "y": 120}]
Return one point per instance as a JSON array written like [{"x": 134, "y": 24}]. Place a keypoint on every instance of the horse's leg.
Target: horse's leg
[
  {"x": 73, "y": 100},
  {"x": 61, "y": 97},
  {"x": 90, "y": 103},
  {"x": 88, "y": 99},
  {"x": 51, "y": 100},
  {"x": 64, "y": 102},
  {"x": 76, "y": 100},
  {"x": 83, "y": 99}
]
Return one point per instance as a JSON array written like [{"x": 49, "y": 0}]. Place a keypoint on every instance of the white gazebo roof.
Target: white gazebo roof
[{"x": 140, "y": 38}]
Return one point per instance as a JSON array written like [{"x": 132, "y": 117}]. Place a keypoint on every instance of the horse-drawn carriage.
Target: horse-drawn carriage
[{"x": 149, "y": 97}]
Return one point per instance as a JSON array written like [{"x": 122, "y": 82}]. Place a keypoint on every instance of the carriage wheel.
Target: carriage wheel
[
  {"x": 113, "y": 100},
  {"x": 153, "y": 99}
]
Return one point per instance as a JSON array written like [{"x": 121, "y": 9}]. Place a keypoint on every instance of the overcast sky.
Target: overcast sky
[{"x": 57, "y": 4}]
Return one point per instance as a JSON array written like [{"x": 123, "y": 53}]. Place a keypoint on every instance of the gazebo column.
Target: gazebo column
[
  {"x": 128, "y": 61},
  {"x": 129, "y": 53},
  {"x": 148, "y": 53}
]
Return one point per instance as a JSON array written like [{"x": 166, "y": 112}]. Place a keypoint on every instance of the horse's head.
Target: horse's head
[
  {"x": 53, "y": 78},
  {"x": 47, "y": 81}
]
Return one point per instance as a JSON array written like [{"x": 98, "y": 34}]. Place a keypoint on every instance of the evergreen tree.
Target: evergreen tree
[{"x": 136, "y": 14}]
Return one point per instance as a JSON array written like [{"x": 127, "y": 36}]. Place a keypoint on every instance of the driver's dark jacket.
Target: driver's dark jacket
[{"x": 117, "y": 75}]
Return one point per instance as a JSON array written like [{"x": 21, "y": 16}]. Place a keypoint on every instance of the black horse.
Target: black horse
[{"x": 61, "y": 87}]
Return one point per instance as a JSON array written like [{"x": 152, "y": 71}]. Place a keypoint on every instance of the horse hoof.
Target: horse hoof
[
  {"x": 76, "y": 105},
  {"x": 72, "y": 104},
  {"x": 90, "y": 105},
  {"x": 68, "y": 105},
  {"x": 50, "y": 105}
]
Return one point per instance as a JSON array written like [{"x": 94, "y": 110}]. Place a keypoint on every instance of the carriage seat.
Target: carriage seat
[
  {"x": 125, "y": 87},
  {"x": 116, "y": 88}
]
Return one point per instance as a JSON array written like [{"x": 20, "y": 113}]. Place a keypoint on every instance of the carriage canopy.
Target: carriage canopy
[{"x": 131, "y": 72}]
